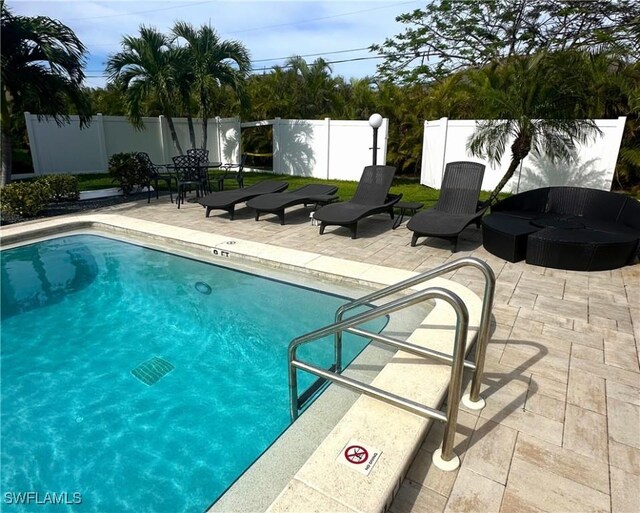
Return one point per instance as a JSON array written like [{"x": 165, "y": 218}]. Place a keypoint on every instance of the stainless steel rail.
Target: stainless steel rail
[
  {"x": 485, "y": 317},
  {"x": 456, "y": 359},
  {"x": 462, "y": 324}
]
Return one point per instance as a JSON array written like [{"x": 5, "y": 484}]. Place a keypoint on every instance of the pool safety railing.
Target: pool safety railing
[{"x": 444, "y": 457}]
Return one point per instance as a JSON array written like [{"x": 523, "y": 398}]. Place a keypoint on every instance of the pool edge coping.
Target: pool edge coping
[{"x": 323, "y": 483}]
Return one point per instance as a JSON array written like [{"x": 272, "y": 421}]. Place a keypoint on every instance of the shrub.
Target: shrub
[
  {"x": 127, "y": 172},
  {"x": 62, "y": 187},
  {"x": 26, "y": 199}
]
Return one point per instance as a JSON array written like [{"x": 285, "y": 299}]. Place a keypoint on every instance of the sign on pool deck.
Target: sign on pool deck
[{"x": 359, "y": 456}]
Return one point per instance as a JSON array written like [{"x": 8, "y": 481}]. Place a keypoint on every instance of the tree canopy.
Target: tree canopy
[
  {"x": 42, "y": 71},
  {"x": 449, "y": 35}
]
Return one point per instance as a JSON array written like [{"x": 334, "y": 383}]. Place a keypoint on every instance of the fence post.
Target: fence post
[
  {"x": 102, "y": 143},
  {"x": 219, "y": 138},
  {"x": 276, "y": 145},
  {"x": 444, "y": 128},
  {"x": 33, "y": 143},
  {"x": 385, "y": 140},
  {"x": 612, "y": 155},
  {"x": 328, "y": 121}
]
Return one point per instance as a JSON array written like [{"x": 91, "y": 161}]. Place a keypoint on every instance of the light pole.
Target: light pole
[{"x": 376, "y": 122}]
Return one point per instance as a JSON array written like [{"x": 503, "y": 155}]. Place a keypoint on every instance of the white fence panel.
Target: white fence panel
[
  {"x": 594, "y": 164},
  {"x": 224, "y": 139},
  {"x": 67, "y": 149},
  {"x": 351, "y": 148},
  {"x": 335, "y": 149},
  {"x": 120, "y": 136}
]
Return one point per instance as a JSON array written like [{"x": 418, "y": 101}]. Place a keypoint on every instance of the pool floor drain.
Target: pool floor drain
[
  {"x": 153, "y": 370},
  {"x": 203, "y": 288}
]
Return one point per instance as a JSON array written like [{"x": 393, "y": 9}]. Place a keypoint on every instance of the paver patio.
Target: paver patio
[{"x": 561, "y": 429}]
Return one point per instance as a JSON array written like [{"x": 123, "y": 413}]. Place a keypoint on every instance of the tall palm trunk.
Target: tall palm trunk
[
  {"x": 174, "y": 135},
  {"x": 519, "y": 150},
  {"x": 192, "y": 132},
  {"x": 6, "y": 158},
  {"x": 205, "y": 123},
  {"x": 515, "y": 162}
]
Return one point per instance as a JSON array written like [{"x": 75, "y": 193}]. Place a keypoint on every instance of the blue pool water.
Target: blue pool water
[{"x": 79, "y": 313}]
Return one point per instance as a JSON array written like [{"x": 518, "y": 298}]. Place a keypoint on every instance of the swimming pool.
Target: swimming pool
[{"x": 85, "y": 407}]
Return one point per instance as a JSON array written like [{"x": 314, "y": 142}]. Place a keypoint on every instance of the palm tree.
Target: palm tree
[
  {"x": 42, "y": 71},
  {"x": 535, "y": 102},
  {"x": 147, "y": 66},
  {"x": 214, "y": 63}
]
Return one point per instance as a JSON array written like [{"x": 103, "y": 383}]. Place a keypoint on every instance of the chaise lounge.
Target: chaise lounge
[
  {"x": 457, "y": 206},
  {"x": 371, "y": 197},
  {"x": 227, "y": 200},
  {"x": 277, "y": 203}
]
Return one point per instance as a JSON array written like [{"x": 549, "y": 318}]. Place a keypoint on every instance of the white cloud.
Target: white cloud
[{"x": 269, "y": 29}]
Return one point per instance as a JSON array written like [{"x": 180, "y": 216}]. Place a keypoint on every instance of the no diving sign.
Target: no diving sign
[{"x": 359, "y": 456}]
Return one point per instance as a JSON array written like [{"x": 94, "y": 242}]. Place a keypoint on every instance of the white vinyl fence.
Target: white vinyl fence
[
  {"x": 326, "y": 148},
  {"x": 593, "y": 165},
  {"x": 67, "y": 149}
]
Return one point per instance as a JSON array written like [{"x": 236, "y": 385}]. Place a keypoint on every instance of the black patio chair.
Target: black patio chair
[
  {"x": 233, "y": 172},
  {"x": 154, "y": 174},
  {"x": 203, "y": 156},
  {"x": 313, "y": 193},
  {"x": 189, "y": 174},
  {"x": 371, "y": 197},
  {"x": 457, "y": 206},
  {"x": 227, "y": 200}
]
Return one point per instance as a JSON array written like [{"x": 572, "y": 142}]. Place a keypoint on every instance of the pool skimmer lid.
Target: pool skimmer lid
[{"x": 153, "y": 370}]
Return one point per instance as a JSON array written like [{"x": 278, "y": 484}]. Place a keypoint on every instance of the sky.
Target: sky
[{"x": 271, "y": 30}]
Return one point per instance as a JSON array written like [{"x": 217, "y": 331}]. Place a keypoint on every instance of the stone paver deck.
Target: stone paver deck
[{"x": 561, "y": 429}]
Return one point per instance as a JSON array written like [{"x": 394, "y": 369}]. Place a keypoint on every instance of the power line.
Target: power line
[
  {"x": 181, "y": 6},
  {"x": 282, "y": 58},
  {"x": 310, "y": 20},
  {"x": 314, "y": 54},
  {"x": 355, "y": 59}
]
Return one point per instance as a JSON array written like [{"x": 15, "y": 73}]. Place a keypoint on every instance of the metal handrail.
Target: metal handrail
[
  {"x": 485, "y": 317},
  {"x": 462, "y": 325}
]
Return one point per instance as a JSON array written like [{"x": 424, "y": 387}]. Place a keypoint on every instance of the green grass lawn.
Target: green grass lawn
[{"x": 410, "y": 188}]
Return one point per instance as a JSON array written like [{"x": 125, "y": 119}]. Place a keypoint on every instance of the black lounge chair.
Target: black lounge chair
[
  {"x": 276, "y": 203},
  {"x": 227, "y": 200},
  {"x": 457, "y": 206},
  {"x": 371, "y": 197}
]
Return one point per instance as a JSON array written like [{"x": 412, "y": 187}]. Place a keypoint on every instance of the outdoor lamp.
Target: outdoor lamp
[{"x": 376, "y": 122}]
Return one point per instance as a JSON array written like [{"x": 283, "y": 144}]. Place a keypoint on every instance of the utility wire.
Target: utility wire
[
  {"x": 286, "y": 66},
  {"x": 180, "y": 6},
  {"x": 253, "y": 29},
  {"x": 311, "y": 20},
  {"x": 283, "y": 58}
]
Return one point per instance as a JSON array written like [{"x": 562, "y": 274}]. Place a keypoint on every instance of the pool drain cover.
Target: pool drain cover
[{"x": 153, "y": 370}]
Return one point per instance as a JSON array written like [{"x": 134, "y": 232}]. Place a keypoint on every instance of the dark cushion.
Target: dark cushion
[
  {"x": 581, "y": 249},
  {"x": 534, "y": 201},
  {"x": 630, "y": 213},
  {"x": 590, "y": 203}
]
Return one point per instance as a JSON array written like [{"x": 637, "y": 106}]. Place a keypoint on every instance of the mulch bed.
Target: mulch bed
[{"x": 71, "y": 207}]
